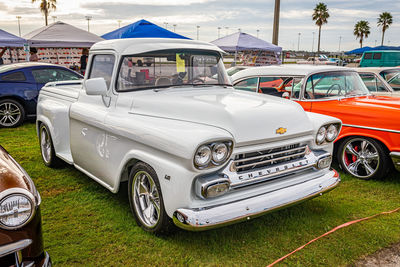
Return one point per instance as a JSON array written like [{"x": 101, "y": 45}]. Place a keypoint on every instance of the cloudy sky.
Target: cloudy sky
[{"x": 249, "y": 16}]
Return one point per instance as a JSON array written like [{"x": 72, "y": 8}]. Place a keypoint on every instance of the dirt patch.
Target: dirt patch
[{"x": 388, "y": 257}]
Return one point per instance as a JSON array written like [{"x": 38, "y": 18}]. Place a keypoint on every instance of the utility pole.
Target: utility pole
[
  {"x": 174, "y": 27},
  {"x": 313, "y": 37},
  {"x": 219, "y": 31},
  {"x": 275, "y": 32},
  {"x": 119, "y": 23},
  {"x": 375, "y": 42},
  {"x": 88, "y": 18},
  {"x": 227, "y": 28},
  {"x": 258, "y": 32},
  {"x": 166, "y": 25},
  {"x": 239, "y": 30},
  {"x": 19, "y": 25},
  {"x": 298, "y": 42},
  {"x": 340, "y": 41},
  {"x": 54, "y": 18},
  {"x": 198, "y": 27}
]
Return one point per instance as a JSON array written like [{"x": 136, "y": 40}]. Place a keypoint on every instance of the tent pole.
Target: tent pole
[{"x": 235, "y": 58}]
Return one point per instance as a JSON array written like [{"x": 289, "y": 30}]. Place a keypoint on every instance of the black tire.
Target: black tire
[
  {"x": 163, "y": 223},
  {"x": 46, "y": 148},
  {"x": 148, "y": 64},
  {"x": 12, "y": 113},
  {"x": 363, "y": 157}
]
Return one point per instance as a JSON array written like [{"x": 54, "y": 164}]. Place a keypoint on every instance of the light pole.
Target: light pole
[
  {"x": 340, "y": 41},
  {"x": 227, "y": 28},
  {"x": 313, "y": 37},
  {"x": 198, "y": 27},
  {"x": 54, "y": 18},
  {"x": 174, "y": 27},
  {"x": 275, "y": 32},
  {"x": 19, "y": 25},
  {"x": 239, "y": 30},
  {"x": 119, "y": 23},
  {"x": 258, "y": 32},
  {"x": 375, "y": 42},
  {"x": 88, "y": 18},
  {"x": 166, "y": 25},
  {"x": 298, "y": 42},
  {"x": 219, "y": 31}
]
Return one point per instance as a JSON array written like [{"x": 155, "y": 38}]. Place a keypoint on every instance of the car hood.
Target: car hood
[
  {"x": 11, "y": 174},
  {"x": 247, "y": 116}
]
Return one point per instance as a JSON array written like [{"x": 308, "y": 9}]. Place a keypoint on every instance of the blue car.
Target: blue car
[{"x": 19, "y": 88}]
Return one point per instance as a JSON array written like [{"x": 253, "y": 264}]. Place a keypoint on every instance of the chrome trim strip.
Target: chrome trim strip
[
  {"x": 208, "y": 218},
  {"x": 371, "y": 128},
  {"x": 14, "y": 247},
  {"x": 396, "y": 159},
  {"x": 270, "y": 154}
]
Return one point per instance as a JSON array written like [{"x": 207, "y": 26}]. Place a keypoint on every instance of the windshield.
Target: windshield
[
  {"x": 334, "y": 84},
  {"x": 171, "y": 68}
]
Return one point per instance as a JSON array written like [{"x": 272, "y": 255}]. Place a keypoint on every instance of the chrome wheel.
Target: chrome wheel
[
  {"x": 10, "y": 114},
  {"x": 361, "y": 158},
  {"x": 45, "y": 145},
  {"x": 146, "y": 199}
]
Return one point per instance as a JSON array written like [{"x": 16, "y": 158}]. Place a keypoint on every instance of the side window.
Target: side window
[
  {"x": 377, "y": 55},
  {"x": 271, "y": 85},
  {"x": 102, "y": 67},
  {"x": 18, "y": 76},
  {"x": 297, "y": 83},
  {"x": 368, "y": 56},
  {"x": 53, "y": 75},
  {"x": 250, "y": 84},
  {"x": 369, "y": 81}
]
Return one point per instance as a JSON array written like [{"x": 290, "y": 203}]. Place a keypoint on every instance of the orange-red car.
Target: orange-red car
[{"x": 369, "y": 143}]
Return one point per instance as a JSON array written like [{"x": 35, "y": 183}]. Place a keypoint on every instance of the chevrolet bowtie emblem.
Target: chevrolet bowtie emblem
[{"x": 281, "y": 130}]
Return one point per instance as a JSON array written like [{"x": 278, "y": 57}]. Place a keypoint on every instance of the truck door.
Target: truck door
[{"x": 87, "y": 116}]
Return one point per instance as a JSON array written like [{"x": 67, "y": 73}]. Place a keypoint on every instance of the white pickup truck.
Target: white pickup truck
[{"x": 195, "y": 151}]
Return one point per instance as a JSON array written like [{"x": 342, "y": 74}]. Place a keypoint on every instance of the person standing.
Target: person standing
[
  {"x": 3, "y": 50},
  {"x": 33, "y": 53},
  {"x": 84, "y": 60}
]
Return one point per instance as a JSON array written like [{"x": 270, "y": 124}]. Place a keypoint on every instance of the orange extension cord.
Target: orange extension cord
[{"x": 331, "y": 231}]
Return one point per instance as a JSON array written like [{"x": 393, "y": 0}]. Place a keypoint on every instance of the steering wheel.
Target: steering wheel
[
  {"x": 331, "y": 88},
  {"x": 196, "y": 79}
]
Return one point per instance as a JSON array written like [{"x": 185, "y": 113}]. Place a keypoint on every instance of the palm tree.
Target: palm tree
[
  {"x": 384, "y": 21},
  {"x": 320, "y": 16},
  {"x": 361, "y": 30},
  {"x": 46, "y": 6}
]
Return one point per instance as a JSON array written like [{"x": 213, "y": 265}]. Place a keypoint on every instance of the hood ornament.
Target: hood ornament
[{"x": 281, "y": 130}]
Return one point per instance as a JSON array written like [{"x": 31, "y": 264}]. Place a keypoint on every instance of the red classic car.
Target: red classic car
[
  {"x": 21, "y": 241},
  {"x": 369, "y": 143}
]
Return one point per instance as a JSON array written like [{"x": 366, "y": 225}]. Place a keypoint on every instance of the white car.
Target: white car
[
  {"x": 317, "y": 61},
  {"x": 381, "y": 80},
  {"x": 194, "y": 150}
]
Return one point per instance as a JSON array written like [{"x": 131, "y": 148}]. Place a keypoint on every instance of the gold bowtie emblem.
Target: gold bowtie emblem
[{"x": 281, "y": 130}]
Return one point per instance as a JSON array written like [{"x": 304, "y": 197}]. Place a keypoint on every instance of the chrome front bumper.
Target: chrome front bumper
[
  {"x": 212, "y": 217},
  {"x": 396, "y": 159}
]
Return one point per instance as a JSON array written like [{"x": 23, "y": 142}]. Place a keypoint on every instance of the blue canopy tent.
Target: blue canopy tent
[
  {"x": 359, "y": 51},
  {"x": 142, "y": 29},
  {"x": 10, "y": 40},
  {"x": 240, "y": 41}
]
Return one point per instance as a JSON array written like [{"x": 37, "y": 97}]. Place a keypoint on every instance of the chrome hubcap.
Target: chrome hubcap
[
  {"x": 146, "y": 199},
  {"x": 45, "y": 145},
  {"x": 360, "y": 158},
  {"x": 10, "y": 114}
]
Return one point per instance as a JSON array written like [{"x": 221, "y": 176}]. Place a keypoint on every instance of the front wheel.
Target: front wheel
[
  {"x": 145, "y": 199},
  {"x": 12, "y": 113},
  {"x": 363, "y": 157}
]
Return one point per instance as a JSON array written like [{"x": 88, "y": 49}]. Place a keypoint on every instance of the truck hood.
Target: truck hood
[{"x": 247, "y": 116}]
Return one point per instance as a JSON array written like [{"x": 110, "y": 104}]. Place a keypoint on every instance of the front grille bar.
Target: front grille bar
[
  {"x": 271, "y": 160},
  {"x": 271, "y": 154}
]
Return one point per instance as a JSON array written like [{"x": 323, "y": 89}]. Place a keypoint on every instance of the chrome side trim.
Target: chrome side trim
[
  {"x": 14, "y": 247},
  {"x": 396, "y": 159},
  {"x": 372, "y": 128},
  {"x": 217, "y": 216}
]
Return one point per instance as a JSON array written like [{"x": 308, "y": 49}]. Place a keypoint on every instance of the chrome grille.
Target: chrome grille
[{"x": 269, "y": 157}]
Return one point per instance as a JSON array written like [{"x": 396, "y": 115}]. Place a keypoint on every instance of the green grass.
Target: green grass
[{"x": 86, "y": 225}]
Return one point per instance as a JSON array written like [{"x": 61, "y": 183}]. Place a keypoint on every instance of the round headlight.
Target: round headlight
[
  {"x": 220, "y": 153},
  {"x": 203, "y": 156},
  {"x": 15, "y": 210},
  {"x": 331, "y": 133},
  {"x": 321, "y": 135}
]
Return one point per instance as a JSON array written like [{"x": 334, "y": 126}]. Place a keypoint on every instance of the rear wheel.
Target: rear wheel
[
  {"x": 12, "y": 113},
  {"x": 363, "y": 157},
  {"x": 146, "y": 200},
  {"x": 46, "y": 147}
]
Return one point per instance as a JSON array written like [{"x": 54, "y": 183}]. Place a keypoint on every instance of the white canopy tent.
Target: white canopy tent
[{"x": 60, "y": 34}]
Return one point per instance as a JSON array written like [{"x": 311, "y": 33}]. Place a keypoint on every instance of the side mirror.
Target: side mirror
[{"x": 96, "y": 86}]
